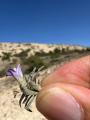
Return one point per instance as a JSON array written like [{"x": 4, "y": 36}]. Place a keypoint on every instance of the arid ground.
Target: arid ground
[{"x": 29, "y": 56}]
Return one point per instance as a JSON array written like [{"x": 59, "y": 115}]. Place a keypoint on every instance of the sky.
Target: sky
[{"x": 45, "y": 21}]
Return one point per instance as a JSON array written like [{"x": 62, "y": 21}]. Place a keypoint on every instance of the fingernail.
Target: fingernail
[{"x": 57, "y": 104}]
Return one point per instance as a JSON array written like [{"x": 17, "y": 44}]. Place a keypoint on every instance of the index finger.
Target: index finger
[{"x": 75, "y": 72}]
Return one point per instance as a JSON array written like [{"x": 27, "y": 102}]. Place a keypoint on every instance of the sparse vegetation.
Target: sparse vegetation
[
  {"x": 14, "y": 61},
  {"x": 33, "y": 61},
  {"x": 23, "y": 54},
  {"x": 2, "y": 72},
  {"x": 6, "y": 56},
  {"x": 40, "y": 58},
  {"x": 88, "y": 48}
]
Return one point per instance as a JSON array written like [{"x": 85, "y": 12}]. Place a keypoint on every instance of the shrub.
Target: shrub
[
  {"x": 2, "y": 73},
  {"x": 33, "y": 61},
  {"x": 22, "y": 54},
  {"x": 6, "y": 56}
]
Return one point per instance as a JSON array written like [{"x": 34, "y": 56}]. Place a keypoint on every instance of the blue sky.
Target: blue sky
[{"x": 45, "y": 21}]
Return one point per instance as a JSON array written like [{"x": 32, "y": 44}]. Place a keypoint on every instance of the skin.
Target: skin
[{"x": 65, "y": 93}]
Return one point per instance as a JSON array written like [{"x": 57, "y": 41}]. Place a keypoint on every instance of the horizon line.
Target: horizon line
[{"x": 68, "y": 44}]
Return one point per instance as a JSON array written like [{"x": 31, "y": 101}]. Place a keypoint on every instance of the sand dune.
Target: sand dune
[{"x": 9, "y": 107}]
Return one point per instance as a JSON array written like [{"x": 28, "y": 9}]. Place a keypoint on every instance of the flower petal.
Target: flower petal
[
  {"x": 10, "y": 72},
  {"x": 15, "y": 72},
  {"x": 19, "y": 71}
]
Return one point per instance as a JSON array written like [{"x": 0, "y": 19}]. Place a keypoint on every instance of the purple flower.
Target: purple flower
[{"x": 15, "y": 72}]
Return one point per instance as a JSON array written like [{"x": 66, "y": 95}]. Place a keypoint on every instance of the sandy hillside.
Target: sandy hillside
[{"x": 9, "y": 107}]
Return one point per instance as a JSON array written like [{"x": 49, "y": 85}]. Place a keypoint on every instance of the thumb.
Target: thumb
[
  {"x": 66, "y": 93},
  {"x": 64, "y": 102}
]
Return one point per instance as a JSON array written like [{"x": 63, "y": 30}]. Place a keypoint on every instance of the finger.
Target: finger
[
  {"x": 64, "y": 102},
  {"x": 75, "y": 72}
]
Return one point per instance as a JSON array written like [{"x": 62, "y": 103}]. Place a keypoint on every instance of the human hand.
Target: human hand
[{"x": 66, "y": 92}]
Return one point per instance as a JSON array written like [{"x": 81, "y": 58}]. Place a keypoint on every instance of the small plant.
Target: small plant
[
  {"x": 2, "y": 72},
  {"x": 6, "y": 56},
  {"x": 22, "y": 54},
  {"x": 41, "y": 53},
  {"x": 29, "y": 84}
]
